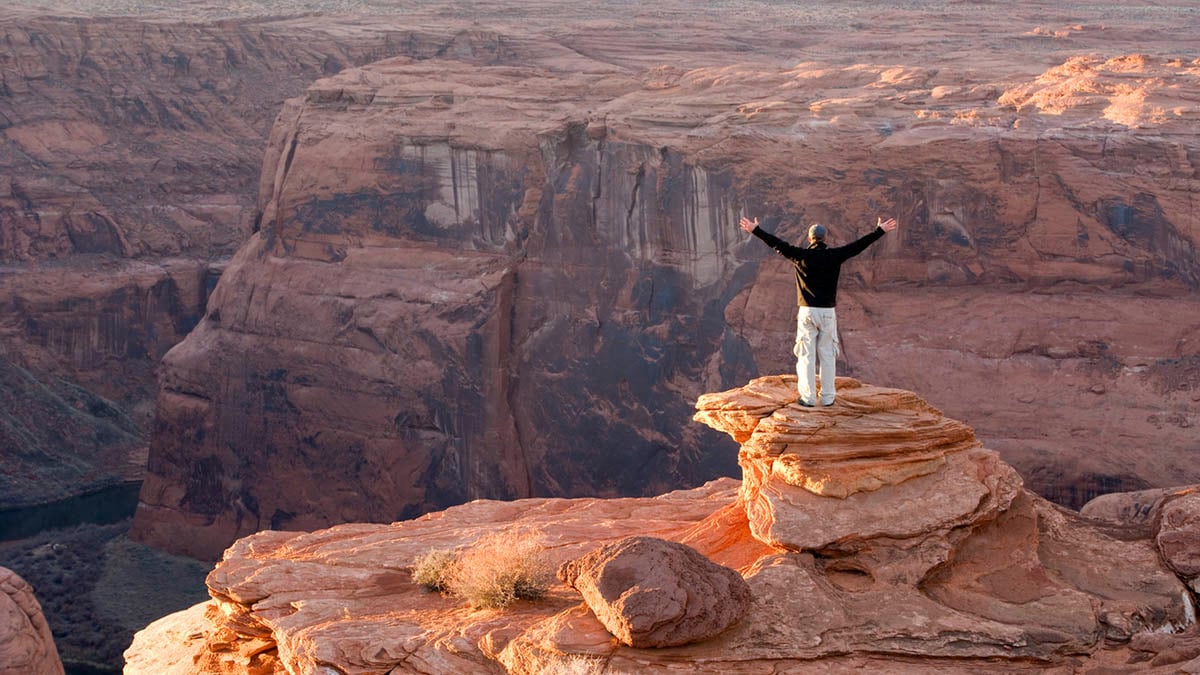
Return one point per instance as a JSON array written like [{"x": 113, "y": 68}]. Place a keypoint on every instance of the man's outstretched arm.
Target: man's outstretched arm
[
  {"x": 781, "y": 247},
  {"x": 855, "y": 247}
]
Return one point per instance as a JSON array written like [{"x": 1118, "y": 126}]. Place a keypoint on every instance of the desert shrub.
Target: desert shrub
[
  {"x": 432, "y": 568},
  {"x": 573, "y": 665},
  {"x": 501, "y": 568}
]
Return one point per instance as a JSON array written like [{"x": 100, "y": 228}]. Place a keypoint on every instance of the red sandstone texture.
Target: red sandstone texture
[
  {"x": 651, "y": 592},
  {"x": 1008, "y": 583},
  {"x": 26, "y": 645},
  {"x": 456, "y": 254}
]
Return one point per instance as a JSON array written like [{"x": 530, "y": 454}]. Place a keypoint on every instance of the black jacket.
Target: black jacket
[{"x": 818, "y": 266}]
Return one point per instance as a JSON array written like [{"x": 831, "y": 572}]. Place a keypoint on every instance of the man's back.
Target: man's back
[{"x": 819, "y": 266}]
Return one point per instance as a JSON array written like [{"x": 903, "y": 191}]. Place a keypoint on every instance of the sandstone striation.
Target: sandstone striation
[
  {"x": 1016, "y": 583},
  {"x": 26, "y": 645},
  {"x": 879, "y": 456},
  {"x": 654, "y": 593}
]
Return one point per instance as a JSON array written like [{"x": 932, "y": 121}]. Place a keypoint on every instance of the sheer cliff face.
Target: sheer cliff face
[
  {"x": 502, "y": 281},
  {"x": 460, "y": 321}
]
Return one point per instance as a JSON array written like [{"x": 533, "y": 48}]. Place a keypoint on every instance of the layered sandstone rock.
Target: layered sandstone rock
[
  {"x": 1013, "y": 584},
  {"x": 130, "y": 148},
  {"x": 882, "y": 456},
  {"x": 917, "y": 501},
  {"x": 142, "y": 136},
  {"x": 26, "y": 645}
]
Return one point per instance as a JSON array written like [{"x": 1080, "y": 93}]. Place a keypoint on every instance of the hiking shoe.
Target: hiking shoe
[{"x": 802, "y": 403}]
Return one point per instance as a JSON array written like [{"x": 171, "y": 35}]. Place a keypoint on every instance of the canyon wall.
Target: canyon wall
[
  {"x": 143, "y": 136},
  {"x": 500, "y": 280},
  {"x": 130, "y": 150},
  {"x": 459, "y": 309}
]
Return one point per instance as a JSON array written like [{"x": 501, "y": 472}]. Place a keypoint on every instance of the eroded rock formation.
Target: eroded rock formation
[
  {"x": 1179, "y": 537},
  {"x": 1015, "y": 583},
  {"x": 77, "y": 354},
  {"x": 26, "y": 645},
  {"x": 477, "y": 252}
]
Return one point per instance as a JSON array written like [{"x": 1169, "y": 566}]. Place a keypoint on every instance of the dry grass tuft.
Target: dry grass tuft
[
  {"x": 501, "y": 568},
  {"x": 573, "y": 665},
  {"x": 432, "y": 569}
]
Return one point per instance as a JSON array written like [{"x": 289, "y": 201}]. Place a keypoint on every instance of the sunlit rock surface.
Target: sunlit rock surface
[{"x": 1015, "y": 583}]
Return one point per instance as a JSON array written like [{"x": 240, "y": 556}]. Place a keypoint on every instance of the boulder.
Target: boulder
[
  {"x": 1178, "y": 537},
  {"x": 1134, "y": 508},
  {"x": 650, "y": 592},
  {"x": 26, "y": 645}
]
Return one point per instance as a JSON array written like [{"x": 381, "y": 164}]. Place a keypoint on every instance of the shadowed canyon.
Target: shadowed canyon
[{"x": 295, "y": 265}]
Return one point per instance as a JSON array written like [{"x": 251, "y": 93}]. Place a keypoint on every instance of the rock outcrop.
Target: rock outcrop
[
  {"x": 1179, "y": 537},
  {"x": 878, "y": 456},
  {"x": 654, "y": 593},
  {"x": 1170, "y": 515},
  {"x": 478, "y": 250},
  {"x": 26, "y": 645},
  {"x": 1013, "y": 584}
]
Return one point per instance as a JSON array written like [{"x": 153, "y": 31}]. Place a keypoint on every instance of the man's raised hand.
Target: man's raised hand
[
  {"x": 887, "y": 225},
  {"x": 748, "y": 225}
]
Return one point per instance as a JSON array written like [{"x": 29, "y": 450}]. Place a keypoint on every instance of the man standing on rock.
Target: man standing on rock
[{"x": 817, "y": 270}]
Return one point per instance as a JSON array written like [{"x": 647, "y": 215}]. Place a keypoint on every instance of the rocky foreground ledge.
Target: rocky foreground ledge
[{"x": 874, "y": 533}]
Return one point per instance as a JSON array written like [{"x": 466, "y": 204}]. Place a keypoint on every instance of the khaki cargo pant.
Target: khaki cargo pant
[{"x": 816, "y": 342}]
